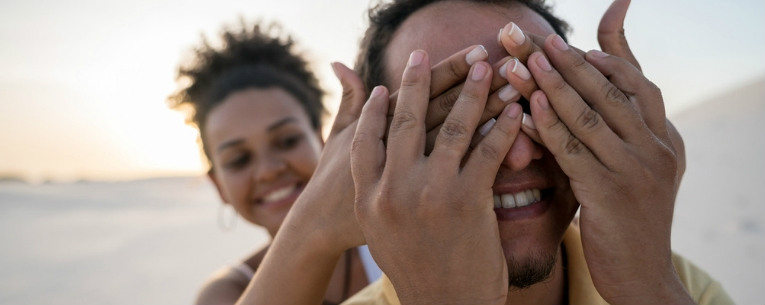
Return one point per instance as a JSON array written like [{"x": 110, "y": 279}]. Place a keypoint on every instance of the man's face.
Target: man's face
[{"x": 531, "y": 235}]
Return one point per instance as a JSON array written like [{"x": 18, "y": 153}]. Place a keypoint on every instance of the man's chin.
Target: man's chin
[{"x": 525, "y": 272}]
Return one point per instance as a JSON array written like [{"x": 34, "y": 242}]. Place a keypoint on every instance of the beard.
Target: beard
[{"x": 523, "y": 273}]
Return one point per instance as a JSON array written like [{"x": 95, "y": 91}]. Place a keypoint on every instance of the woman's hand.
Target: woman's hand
[
  {"x": 321, "y": 224},
  {"x": 605, "y": 124},
  {"x": 521, "y": 45},
  {"x": 429, "y": 220}
]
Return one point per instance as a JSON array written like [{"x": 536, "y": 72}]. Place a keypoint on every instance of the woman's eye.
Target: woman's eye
[
  {"x": 290, "y": 142},
  {"x": 238, "y": 162}
]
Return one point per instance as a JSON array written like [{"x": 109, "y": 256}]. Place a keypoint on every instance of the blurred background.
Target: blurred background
[{"x": 102, "y": 194}]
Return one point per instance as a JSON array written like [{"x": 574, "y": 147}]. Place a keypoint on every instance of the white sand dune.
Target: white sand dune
[
  {"x": 720, "y": 212},
  {"x": 155, "y": 241}
]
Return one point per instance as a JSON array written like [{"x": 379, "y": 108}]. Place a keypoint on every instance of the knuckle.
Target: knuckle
[
  {"x": 454, "y": 129},
  {"x": 454, "y": 70},
  {"x": 614, "y": 95},
  {"x": 580, "y": 64},
  {"x": 653, "y": 88},
  {"x": 588, "y": 119},
  {"x": 446, "y": 101},
  {"x": 489, "y": 152},
  {"x": 403, "y": 120},
  {"x": 348, "y": 94},
  {"x": 559, "y": 84},
  {"x": 358, "y": 143},
  {"x": 573, "y": 146},
  {"x": 471, "y": 96},
  {"x": 409, "y": 82}
]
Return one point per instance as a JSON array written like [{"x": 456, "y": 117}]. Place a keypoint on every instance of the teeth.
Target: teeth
[
  {"x": 280, "y": 193},
  {"x": 517, "y": 200},
  {"x": 508, "y": 202}
]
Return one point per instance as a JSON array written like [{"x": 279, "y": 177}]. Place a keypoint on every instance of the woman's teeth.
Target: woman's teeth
[
  {"x": 280, "y": 194},
  {"x": 517, "y": 200}
]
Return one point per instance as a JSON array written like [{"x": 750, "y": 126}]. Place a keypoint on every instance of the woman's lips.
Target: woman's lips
[{"x": 281, "y": 196}]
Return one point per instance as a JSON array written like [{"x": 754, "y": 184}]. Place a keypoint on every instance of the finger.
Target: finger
[
  {"x": 353, "y": 97},
  {"x": 529, "y": 128},
  {"x": 449, "y": 72},
  {"x": 454, "y": 138},
  {"x": 584, "y": 123},
  {"x": 518, "y": 77},
  {"x": 487, "y": 156},
  {"x": 439, "y": 108},
  {"x": 482, "y": 131},
  {"x": 619, "y": 113},
  {"x": 519, "y": 43},
  {"x": 442, "y": 104},
  {"x": 573, "y": 156},
  {"x": 406, "y": 136},
  {"x": 611, "y": 32},
  {"x": 642, "y": 92},
  {"x": 368, "y": 149},
  {"x": 515, "y": 42}
]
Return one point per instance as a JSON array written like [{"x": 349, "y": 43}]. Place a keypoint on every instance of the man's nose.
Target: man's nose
[{"x": 522, "y": 152}]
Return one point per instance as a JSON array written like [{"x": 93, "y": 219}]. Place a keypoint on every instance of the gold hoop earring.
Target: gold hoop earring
[{"x": 222, "y": 223}]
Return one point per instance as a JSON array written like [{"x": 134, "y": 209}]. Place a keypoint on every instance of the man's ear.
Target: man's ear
[{"x": 214, "y": 179}]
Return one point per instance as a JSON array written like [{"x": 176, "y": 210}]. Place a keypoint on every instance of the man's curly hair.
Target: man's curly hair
[
  {"x": 261, "y": 56},
  {"x": 385, "y": 19}
]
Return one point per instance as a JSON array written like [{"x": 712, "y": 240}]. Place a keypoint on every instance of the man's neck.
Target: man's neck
[{"x": 551, "y": 291}]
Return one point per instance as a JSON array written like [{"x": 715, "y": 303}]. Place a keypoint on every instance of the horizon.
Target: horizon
[{"x": 86, "y": 98}]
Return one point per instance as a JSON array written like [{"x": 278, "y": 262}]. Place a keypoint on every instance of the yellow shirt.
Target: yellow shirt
[{"x": 702, "y": 288}]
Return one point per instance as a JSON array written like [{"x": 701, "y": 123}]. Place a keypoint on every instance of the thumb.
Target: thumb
[
  {"x": 611, "y": 32},
  {"x": 353, "y": 97}
]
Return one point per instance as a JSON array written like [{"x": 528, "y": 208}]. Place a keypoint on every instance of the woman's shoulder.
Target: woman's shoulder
[{"x": 225, "y": 285}]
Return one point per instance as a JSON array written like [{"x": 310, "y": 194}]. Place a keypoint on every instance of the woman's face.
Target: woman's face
[{"x": 263, "y": 151}]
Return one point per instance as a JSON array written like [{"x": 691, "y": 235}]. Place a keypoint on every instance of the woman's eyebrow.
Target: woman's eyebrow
[
  {"x": 280, "y": 123},
  {"x": 228, "y": 144}
]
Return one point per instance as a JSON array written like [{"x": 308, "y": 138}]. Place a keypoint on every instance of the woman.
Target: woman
[{"x": 259, "y": 113}]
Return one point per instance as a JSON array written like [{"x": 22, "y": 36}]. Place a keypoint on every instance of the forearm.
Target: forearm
[{"x": 296, "y": 269}]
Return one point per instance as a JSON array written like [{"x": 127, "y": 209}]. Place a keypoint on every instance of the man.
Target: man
[
  {"x": 604, "y": 144},
  {"x": 425, "y": 203}
]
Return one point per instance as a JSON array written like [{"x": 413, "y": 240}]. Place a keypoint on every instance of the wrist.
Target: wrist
[{"x": 667, "y": 289}]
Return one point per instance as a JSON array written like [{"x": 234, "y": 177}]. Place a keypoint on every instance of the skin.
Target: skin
[
  {"x": 605, "y": 129},
  {"x": 260, "y": 141},
  {"x": 389, "y": 186}
]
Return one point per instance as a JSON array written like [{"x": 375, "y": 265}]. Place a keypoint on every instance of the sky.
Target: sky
[{"x": 84, "y": 83}]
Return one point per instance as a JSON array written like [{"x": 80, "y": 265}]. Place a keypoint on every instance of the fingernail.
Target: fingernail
[
  {"x": 559, "y": 44},
  {"x": 415, "y": 58},
  {"x": 519, "y": 69},
  {"x": 507, "y": 93},
  {"x": 476, "y": 54},
  {"x": 516, "y": 35},
  {"x": 376, "y": 92},
  {"x": 543, "y": 63},
  {"x": 487, "y": 126},
  {"x": 543, "y": 103},
  {"x": 499, "y": 35},
  {"x": 503, "y": 69},
  {"x": 528, "y": 122},
  {"x": 478, "y": 72},
  {"x": 598, "y": 53},
  {"x": 514, "y": 110}
]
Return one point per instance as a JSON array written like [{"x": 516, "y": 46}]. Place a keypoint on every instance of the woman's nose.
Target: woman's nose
[{"x": 268, "y": 167}]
